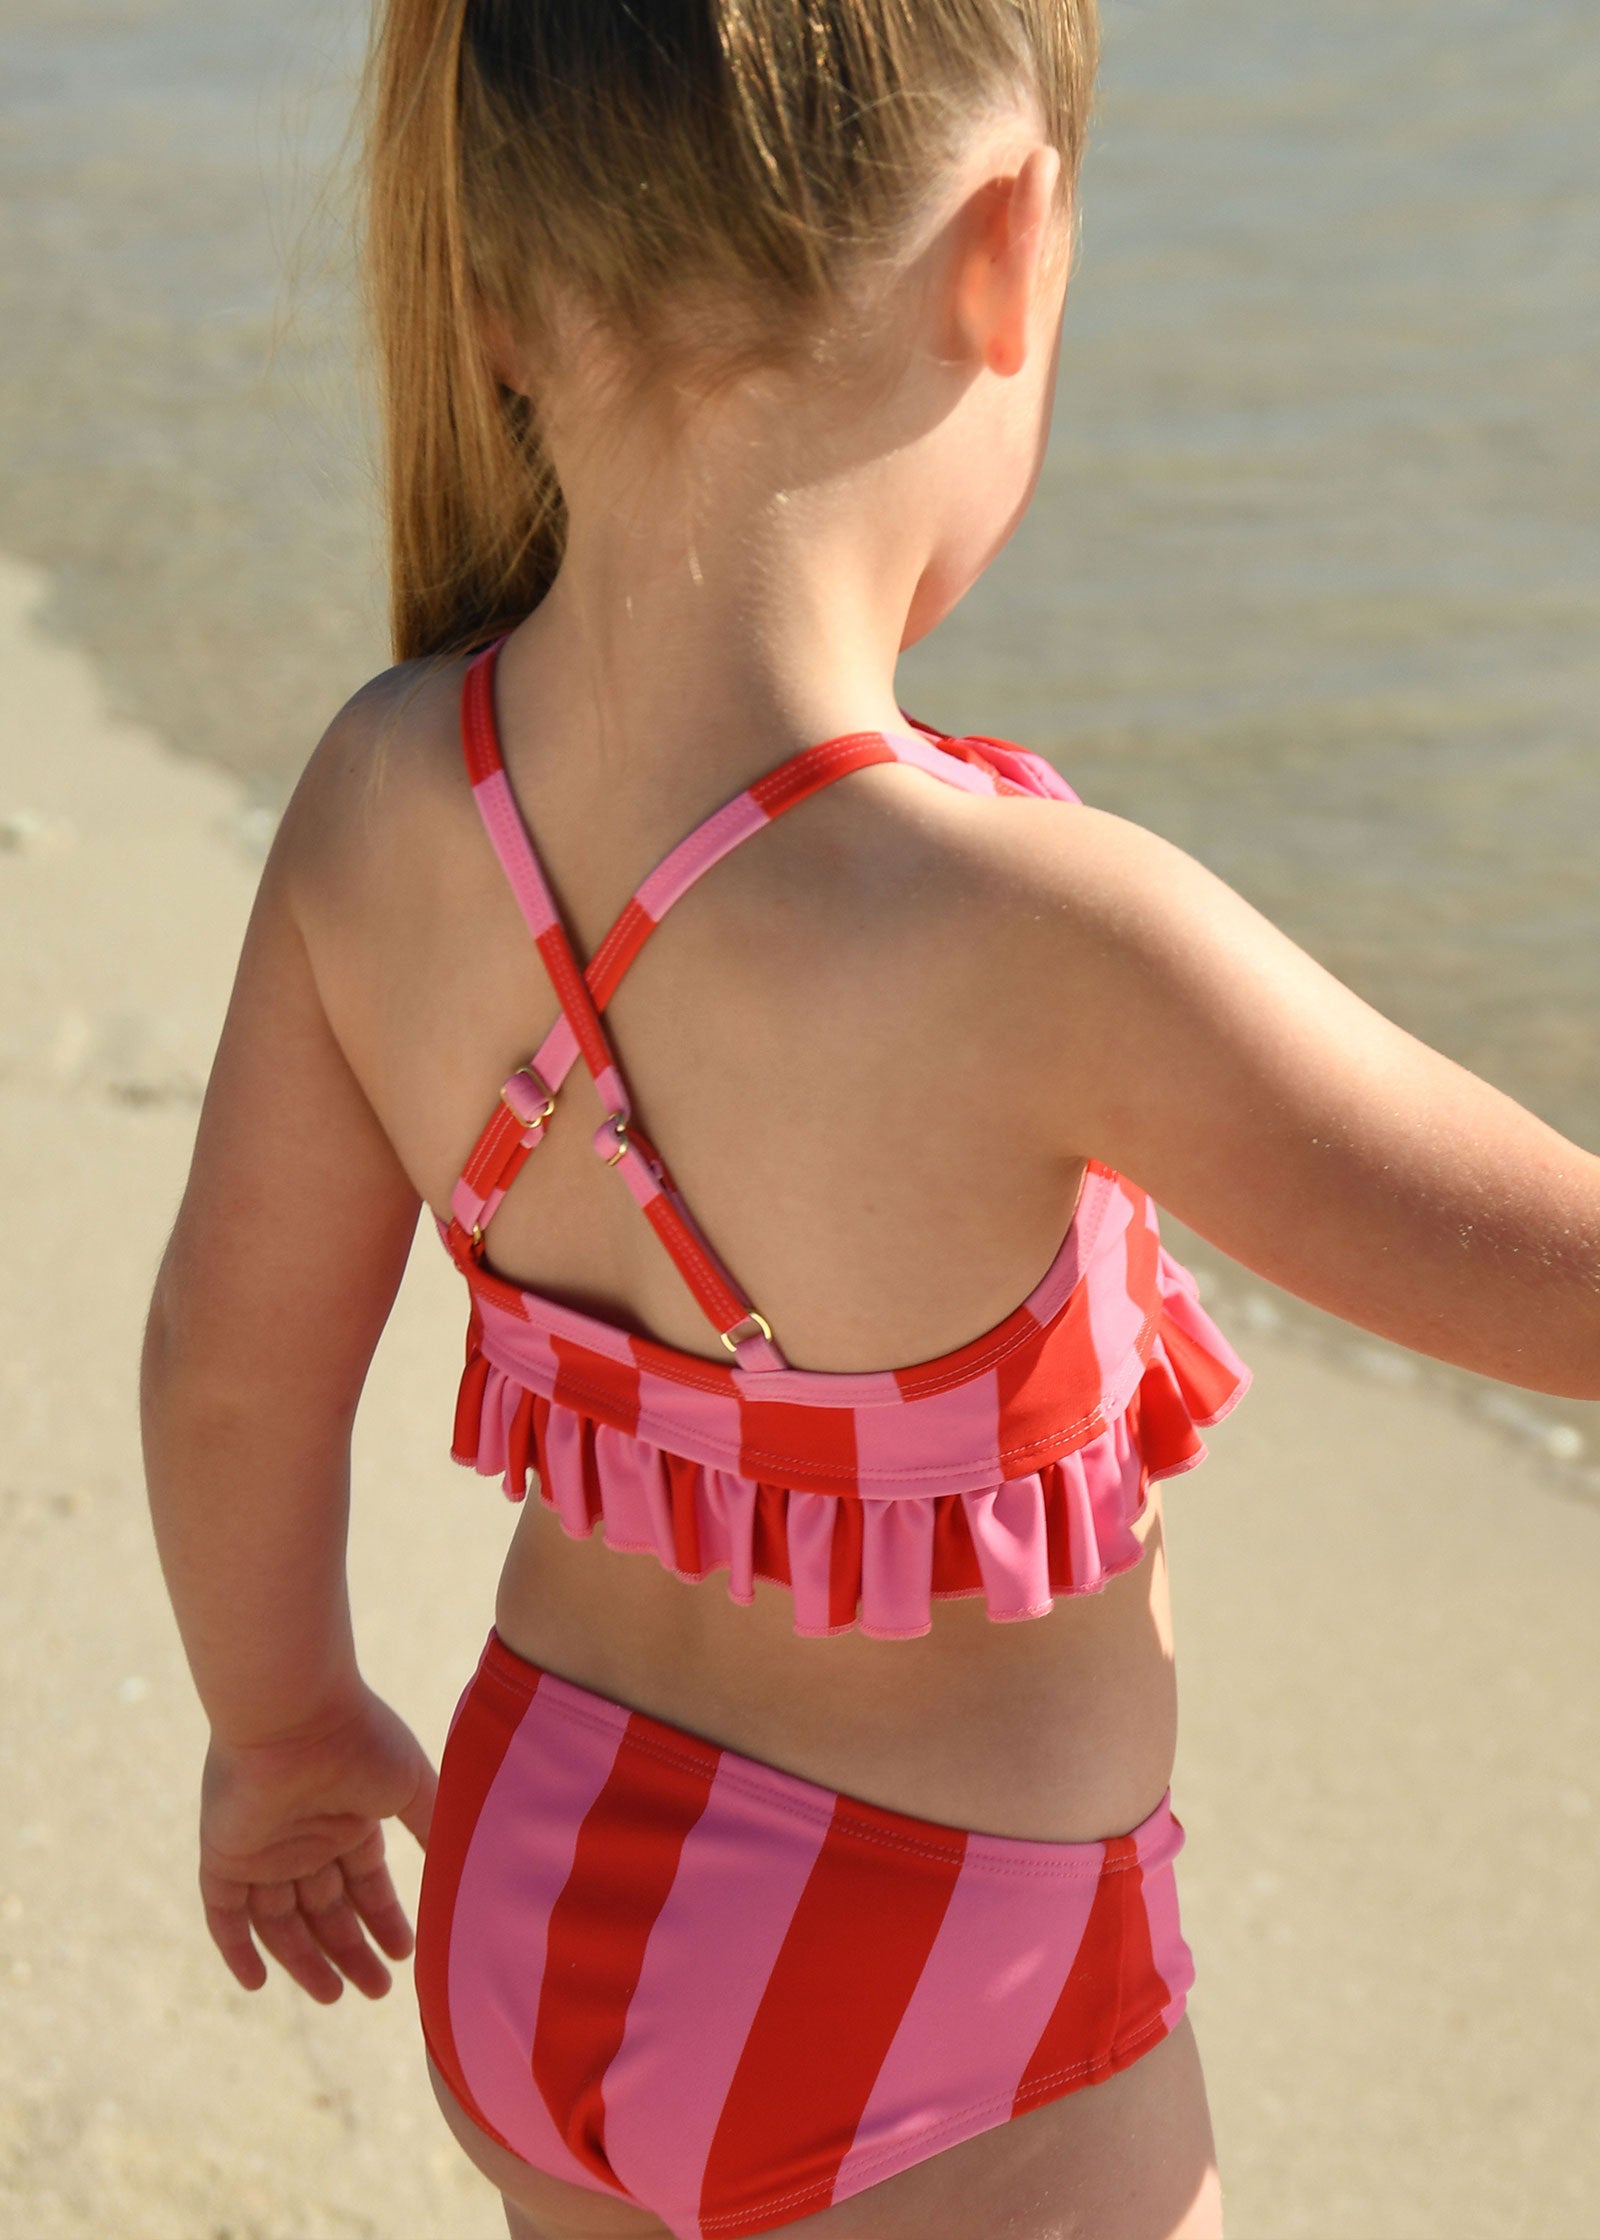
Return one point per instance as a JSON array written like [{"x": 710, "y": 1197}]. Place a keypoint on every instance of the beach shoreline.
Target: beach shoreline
[{"x": 1385, "y": 1607}]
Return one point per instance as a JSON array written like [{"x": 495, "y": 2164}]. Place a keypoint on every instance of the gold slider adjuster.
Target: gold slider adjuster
[
  {"x": 733, "y": 1339},
  {"x": 530, "y": 1072},
  {"x": 619, "y": 1128}
]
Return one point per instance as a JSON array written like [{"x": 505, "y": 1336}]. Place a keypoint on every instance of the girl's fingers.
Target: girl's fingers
[
  {"x": 361, "y": 1874},
  {"x": 279, "y": 1923},
  {"x": 228, "y": 1919},
  {"x": 373, "y": 1895},
  {"x": 326, "y": 1909}
]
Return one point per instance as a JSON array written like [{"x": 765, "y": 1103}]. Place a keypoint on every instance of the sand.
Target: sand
[{"x": 1386, "y": 1625}]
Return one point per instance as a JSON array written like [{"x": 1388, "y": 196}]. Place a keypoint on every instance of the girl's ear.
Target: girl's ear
[{"x": 1003, "y": 239}]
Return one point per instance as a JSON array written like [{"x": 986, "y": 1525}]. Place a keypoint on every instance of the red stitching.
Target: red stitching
[{"x": 715, "y": 1289}]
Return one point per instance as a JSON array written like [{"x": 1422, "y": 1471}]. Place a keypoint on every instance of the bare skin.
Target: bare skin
[{"x": 877, "y": 1045}]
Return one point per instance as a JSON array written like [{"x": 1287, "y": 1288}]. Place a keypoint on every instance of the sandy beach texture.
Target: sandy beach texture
[{"x": 1386, "y": 1619}]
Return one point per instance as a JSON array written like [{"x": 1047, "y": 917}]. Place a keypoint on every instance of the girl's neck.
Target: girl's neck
[{"x": 708, "y": 622}]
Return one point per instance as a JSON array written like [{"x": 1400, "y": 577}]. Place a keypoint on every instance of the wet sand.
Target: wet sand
[{"x": 1386, "y": 1623}]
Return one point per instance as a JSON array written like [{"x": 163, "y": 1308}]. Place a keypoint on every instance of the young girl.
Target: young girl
[{"x": 770, "y": 1882}]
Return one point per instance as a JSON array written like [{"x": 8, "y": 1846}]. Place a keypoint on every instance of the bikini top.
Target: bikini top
[{"x": 1013, "y": 1467}]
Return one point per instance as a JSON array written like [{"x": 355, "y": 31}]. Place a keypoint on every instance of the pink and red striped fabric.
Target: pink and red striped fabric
[
  {"x": 662, "y": 1970},
  {"x": 1014, "y": 1467}
]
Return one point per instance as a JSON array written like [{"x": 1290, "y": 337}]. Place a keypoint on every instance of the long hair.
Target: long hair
[{"x": 635, "y": 156}]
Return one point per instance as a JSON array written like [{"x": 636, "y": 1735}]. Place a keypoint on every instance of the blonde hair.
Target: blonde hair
[{"x": 635, "y": 155}]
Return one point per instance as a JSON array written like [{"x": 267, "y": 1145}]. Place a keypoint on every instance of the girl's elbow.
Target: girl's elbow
[
  {"x": 177, "y": 1366},
  {"x": 157, "y": 1354}
]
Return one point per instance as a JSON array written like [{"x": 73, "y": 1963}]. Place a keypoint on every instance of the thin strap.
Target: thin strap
[{"x": 527, "y": 1099}]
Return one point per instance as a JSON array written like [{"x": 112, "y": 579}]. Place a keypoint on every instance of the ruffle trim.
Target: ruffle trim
[{"x": 877, "y": 1563}]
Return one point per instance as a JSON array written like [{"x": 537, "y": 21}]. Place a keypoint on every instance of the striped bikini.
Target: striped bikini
[{"x": 672, "y": 1973}]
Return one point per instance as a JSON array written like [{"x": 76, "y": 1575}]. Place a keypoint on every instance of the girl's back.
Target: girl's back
[{"x": 837, "y": 1041}]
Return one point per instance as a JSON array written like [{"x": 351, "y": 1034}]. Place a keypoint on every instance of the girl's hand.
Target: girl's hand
[{"x": 291, "y": 1849}]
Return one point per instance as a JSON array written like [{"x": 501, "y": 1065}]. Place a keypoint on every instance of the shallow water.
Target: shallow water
[{"x": 1312, "y": 583}]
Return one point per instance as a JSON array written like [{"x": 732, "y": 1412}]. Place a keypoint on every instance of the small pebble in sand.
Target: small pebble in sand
[
  {"x": 253, "y": 828},
  {"x": 1564, "y": 1441},
  {"x": 134, "y": 1689},
  {"x": 24, "y": 832},
  {"x": 1506, "y": 1408},
  {"x": 1384, "y": 1362}
]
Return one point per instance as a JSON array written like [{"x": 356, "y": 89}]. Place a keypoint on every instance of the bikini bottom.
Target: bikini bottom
[{"x": 684, "y": 1978}]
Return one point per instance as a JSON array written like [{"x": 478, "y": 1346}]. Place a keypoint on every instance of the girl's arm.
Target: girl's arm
[
  {"x": 1203, "y": 1054},
  {"x": 280, "y": 1273}
]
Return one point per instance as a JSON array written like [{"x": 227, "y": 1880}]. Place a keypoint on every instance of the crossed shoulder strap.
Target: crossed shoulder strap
[{"x": 528, "y": 1097}]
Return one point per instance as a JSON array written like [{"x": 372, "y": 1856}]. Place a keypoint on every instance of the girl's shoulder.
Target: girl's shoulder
[
  {"x": 382, "y": 783},
  {"x": 395, "y": 731}
]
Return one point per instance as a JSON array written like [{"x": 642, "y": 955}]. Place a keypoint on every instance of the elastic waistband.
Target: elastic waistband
[{"x": 1155, "y": 1842}]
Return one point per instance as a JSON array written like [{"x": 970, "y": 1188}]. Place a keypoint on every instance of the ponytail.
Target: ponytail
[{"x": 475, "y": 519}]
